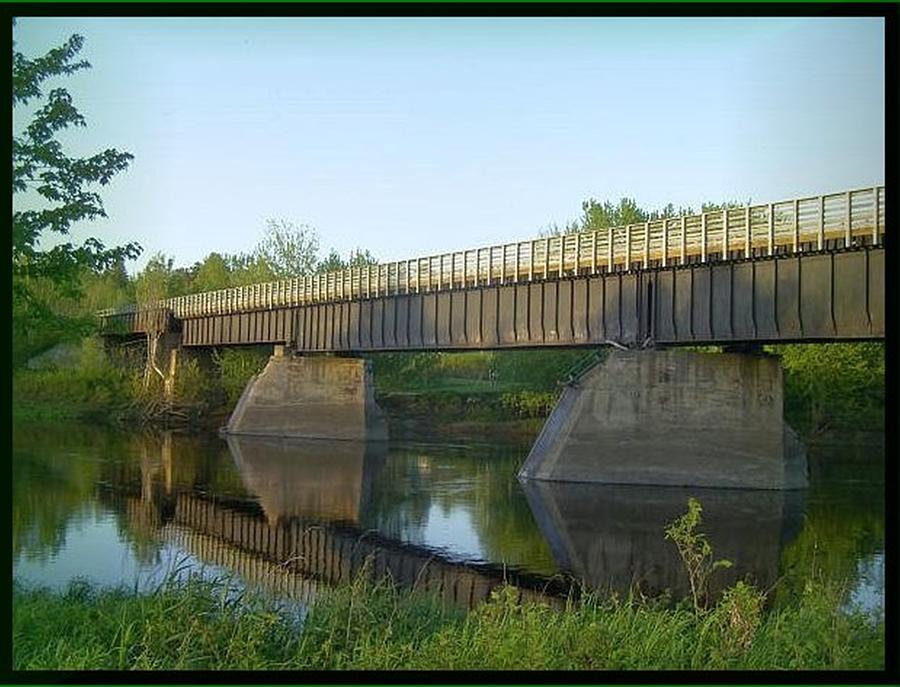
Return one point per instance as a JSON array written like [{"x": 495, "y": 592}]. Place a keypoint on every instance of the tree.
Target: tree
[
  {"x": 249, "y": 269},
  {"x": 729, "y": 204},
  {"x": 211, "y": 274},
  {"x": 61, "y": 182},
  {"x": 597, "y": 215},
  {"x": 155, "y": 281},
  {"x": 334, "y": 262},
  {"x": 360, "y": 258},
  {"x": 288, "y": 249}
]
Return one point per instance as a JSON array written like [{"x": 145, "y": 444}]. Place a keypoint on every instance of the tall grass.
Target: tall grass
[
  {"x": 370, "y": 624},
  {"x": 377, "y": 627}
]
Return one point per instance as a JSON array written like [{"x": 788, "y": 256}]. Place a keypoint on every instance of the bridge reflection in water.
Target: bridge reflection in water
[
  {"x": 298, "y": 524},
  {"x": 611, "y": 536}
]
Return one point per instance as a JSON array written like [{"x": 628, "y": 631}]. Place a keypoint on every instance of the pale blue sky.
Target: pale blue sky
[{"x": 418, "y": 136}]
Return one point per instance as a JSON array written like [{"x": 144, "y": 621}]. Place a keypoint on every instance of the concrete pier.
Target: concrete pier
[
  {"x": 670, "y": 417},
  {"x": 316, "y": 397}
]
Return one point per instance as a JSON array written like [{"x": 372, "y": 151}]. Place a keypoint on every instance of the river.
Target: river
[{"x": 294, "y": 517}]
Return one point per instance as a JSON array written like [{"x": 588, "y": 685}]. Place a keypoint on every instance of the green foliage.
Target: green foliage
[
  {"x": 95, "y": 386},
  {"x": 54, "y": 191},
  {"x": 331, "y": 263},
  {"x": 288, "y": 249},
  {"x": 188, "y": 627},
  {"x": 156, "y": 281},
  {"x": 729, "y": 204},
  {"x": 211, "y": 274},
  {"x": 236, "y": 366},
  {"x": 334, "y": 262},
  {"x": 529, "y": 403},
  {"x": 695, "y": 551},
  {"x": 837, "y": 386},
  {"x": 596, "y": 215},
  {"x": 737, "y": 617},
  {"x": 538, "y": 369},
  {"x": 193, "y": 386},
  {"x": 365, "y": 626},
  {"x": 360, "y": 257}
]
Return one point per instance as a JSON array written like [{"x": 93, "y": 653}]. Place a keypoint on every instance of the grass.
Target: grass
[
  {"x": 366, "y": 626},
  {"x": 374, "y": 625}
]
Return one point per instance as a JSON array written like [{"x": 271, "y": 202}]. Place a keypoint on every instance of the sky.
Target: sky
[{"x": 417, "y": 136}]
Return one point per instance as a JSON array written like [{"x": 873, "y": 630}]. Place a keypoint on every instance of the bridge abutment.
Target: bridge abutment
[
  {"x": 318, "y": 397},
  {"x": 669, "y": 417}
]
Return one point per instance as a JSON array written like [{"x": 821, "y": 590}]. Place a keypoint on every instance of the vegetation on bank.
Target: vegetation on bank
[
  {"x": 196, "y": 626},
  {"x": 366, "y": 625},
  {"x": 833, "y": 386},
  {"x": 827, "y": 386}
]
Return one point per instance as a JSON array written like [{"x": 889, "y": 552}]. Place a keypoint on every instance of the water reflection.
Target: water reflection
[
  {"x": 313, "y": 479},
  {"x": 611, "y": 536},
  {"x": 290, "y": 516},
  {"x": 294, "y": 525}
]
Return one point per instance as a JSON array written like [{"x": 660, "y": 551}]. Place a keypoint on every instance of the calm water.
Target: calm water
[{"x": 292, "y": 517}]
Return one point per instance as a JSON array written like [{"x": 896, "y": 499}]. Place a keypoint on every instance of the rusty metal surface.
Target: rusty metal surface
[{"x": 783, "y": 298}]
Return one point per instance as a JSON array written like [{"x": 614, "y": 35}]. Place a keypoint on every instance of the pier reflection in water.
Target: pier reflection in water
[
  {"x": 610, "y": 537},
  {"x": 312, "y": 479},
  {"x": 291, "y": 517}
]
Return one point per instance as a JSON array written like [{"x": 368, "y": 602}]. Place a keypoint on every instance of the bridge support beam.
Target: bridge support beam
[
  {"x": 672, "y": 418},
  {"x": 317, "y": 397}
]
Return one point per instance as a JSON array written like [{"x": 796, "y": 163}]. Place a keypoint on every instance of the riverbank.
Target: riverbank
[
  {"x": 196, "y": 626},
  {"x": 827, "y": 387}
]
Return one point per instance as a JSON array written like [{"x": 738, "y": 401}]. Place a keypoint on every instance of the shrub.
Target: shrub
[
  {"x": 837, "y": 386},
  {"x": 695, "y": 551},
  {"x": 529, "y": 403},
  {"x": 236, "y": 366}
]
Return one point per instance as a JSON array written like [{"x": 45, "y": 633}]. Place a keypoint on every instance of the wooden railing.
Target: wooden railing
[{"x": 830, "y": 221}]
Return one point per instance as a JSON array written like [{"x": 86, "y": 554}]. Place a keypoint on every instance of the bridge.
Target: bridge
[
  {"x": 798, "y": 270},
  {"x": 807, "y": 269}
]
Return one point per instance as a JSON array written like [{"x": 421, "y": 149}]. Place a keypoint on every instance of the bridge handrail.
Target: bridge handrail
[{"x": 809, "y": 223}]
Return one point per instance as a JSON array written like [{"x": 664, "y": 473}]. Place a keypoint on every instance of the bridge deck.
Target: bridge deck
[{"x": 807, "y": 268}]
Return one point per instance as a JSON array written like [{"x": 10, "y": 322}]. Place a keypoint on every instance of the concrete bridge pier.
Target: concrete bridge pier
[
  {"x": 670, "y": 417},
  {"x": 311, "y": 396}
]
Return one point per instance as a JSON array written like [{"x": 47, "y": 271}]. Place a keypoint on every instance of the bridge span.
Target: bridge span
[
  {"x": 806, "y": 269},
  {"x": 802, "y": 270}
]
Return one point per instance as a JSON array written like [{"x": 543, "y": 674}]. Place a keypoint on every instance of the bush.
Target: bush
[
  {"x": 834, "y": 386},
  {"x": 235, "y": 368},
  {"x": 94, "y": 385},
  {"x": 529, "y": 403}
]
